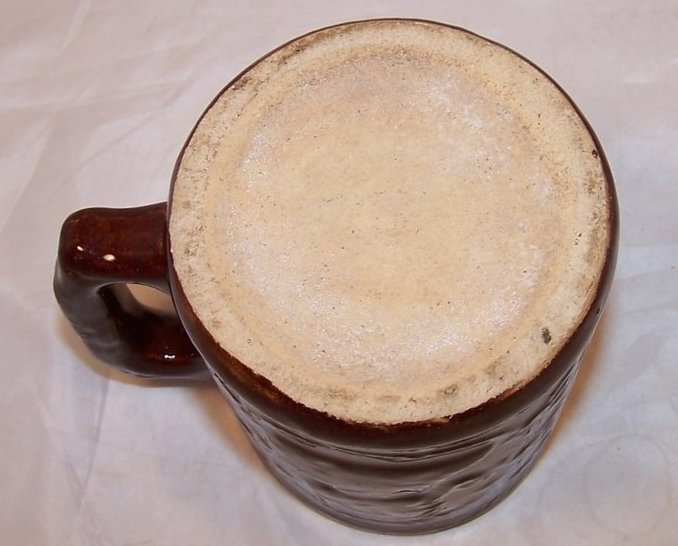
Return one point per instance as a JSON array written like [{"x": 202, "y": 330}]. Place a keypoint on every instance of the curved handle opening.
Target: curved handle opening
[{"x": 101, "y": 253}]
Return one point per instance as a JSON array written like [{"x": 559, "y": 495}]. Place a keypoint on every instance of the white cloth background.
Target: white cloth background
[{"x": 96, "y": 99}]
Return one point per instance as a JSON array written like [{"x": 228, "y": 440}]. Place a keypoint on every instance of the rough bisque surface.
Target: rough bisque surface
[{"x": 391, "y": 221}]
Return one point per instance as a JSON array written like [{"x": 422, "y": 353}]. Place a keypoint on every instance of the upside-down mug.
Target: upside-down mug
[{"x": 389, "y": 243}]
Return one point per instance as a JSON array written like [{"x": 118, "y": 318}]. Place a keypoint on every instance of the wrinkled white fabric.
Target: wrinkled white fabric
[{"x": 96, "y": 99}]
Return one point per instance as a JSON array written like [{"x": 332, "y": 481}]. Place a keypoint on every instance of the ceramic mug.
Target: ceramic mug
[{"x": 389, "y": 243}]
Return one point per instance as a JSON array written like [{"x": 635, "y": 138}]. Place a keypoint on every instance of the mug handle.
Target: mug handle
[{"x": 100, "y": 252}]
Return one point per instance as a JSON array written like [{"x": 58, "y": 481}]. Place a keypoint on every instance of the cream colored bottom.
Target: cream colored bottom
[{"x": 391, "y": 221}]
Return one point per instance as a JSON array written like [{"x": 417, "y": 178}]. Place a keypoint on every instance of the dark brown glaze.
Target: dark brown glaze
[
  {"x": 410, "y": 489},
  {"x": 406, "y": 478},
  {"x": 100, "y": 250}
]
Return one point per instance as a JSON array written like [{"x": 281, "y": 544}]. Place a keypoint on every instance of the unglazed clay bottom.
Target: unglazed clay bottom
[{"x": 391, "y": 221}]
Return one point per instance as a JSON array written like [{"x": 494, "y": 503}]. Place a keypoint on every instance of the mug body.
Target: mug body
[{"x": 413, "y": 476}]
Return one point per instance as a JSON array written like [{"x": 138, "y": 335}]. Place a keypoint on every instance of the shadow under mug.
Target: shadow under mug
[{"x": 407, "y": 478}]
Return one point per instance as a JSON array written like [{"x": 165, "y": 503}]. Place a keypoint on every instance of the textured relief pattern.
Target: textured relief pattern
[{"x": 408, "y": 490}]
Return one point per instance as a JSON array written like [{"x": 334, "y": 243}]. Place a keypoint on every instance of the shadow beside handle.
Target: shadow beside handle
[{"x": 100, "y": 252}]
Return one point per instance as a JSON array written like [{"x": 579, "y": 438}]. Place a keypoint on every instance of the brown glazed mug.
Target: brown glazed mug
[{"x": 389, "y": 242}]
